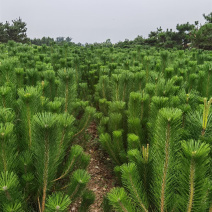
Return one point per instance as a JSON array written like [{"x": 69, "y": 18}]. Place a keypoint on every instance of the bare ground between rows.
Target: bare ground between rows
[{"x": 100, "y": 169}]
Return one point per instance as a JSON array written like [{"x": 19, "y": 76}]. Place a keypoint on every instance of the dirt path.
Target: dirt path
[{"x": 100, "y": 169}]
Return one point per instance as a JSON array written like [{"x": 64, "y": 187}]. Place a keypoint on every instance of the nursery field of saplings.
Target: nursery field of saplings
[{"x": 152, "y": 108}]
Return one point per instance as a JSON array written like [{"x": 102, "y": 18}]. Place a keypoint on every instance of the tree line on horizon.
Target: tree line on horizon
[
  {"x": 16, "y": 31},
  {"x": 186, "y": 35}
]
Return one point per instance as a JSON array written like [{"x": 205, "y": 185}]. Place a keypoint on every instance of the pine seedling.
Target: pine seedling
[
  {"x": 182, "y": 72},
  {"x": 139, "y": 81},
  {"x": 188, "y": 102},
  {"x": 67, "y": 88},
  {"x": 50, "y": 91},
  {"x": 193, "y": 178},
  {"x": 199, "y": 122},
  {"x": 44, "y": 88},
  {"x": 143, "y": 162},
  {"x": 126, "y": 64},
  {"x": 133, "y": 142},
  {"x": 9, "y": 207},
  {"x": 66, "y": 122},
  {"x": 164, "y": 59},
  {"x": 40, "y": 66},
  {"x": 8, "y": 148},
  {"x": 206, "y": 84},
  {"x": 45, "y": 142},
  {"x": 193, "y": 124},
  {"x": 19, "y": 77},
  {"x": 54, "y": 106},
  {"x": 118, "y": 145},
  {"x": 192, "y": 81},
  {"x": 206, "y": 112},
  {"x": 88, "y": 198},
  {"x": 112, "y": 67},
  {"x": 75, "y": 154},
  {"x": 6, "y": 115},
  {"x": 115, "y": 122},
  {"x": 150, "y": 90},
  {"x": 169, "y": 72},
  {"x": 134, "y": 127},
  {"x": 158, "y": 66},
  {"x": 103, "y": 125},
  {"x": 108, "y": 145},
  {"x": 58, "y": 202},
  {"x": 85, "y": 120},
  {"x": 117, "y": 107},
  {"x": 142, "y": 55},
  {"x": 202, "y": 75},
  {"x": 78, "y": 182},
  {"x": 92, "y": 80},
  {"x": 117, "y": 116},
  {"x": 106, "y": 206},
  {"x": 84, "y": 161},
  {"x": 9, "y": 189},
  {"x": 103, "y": 106},
  {"x": 120, "y": 201},
  {"x": 104, "y": 71},
  {"x": 178, "y": 80},
  {"x": 7, "y": 71},
  {"x": 165, "y": 146},
  {"x": 156, "y": 104},
  {"x": 135, "y": 113},
  {"x": 134, "y": 54},
  {"x": 115, "y": 80},
  {"x": 132, "y": 182},
  {"x": 29, "y": 103},
  {"x": 83, "y": 91},
  {"x": 134, "y": 105},
  {"x": 126, "y": 85},
  {"x": 166, "y": 88},
  {"x": 7, "y": 97},
  {"x": 144, "y": 114},
  {"x": 146, "y": 63},
  {"x": 26, "y": 170},
  {"x": 66, "y": 129},
  {"x": 76, "y": 64},
  {"x": 32, "y": 77},
  {"x": 192, "y": 67}
]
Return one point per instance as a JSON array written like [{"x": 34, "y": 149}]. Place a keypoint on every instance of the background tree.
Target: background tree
[
  {"x": 15, "y": 31},
  {"x": 3, "y": 33},
  {"x": 184, "y": 33},
  {"x": 208, "y": 17},
  {"x": 68, "y": 39},
  {"x": 202, "y": 37},
  {"x": 60, "y": 39}
]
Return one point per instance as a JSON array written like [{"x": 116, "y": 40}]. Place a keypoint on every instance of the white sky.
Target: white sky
[{"x": 97, "y": 20}]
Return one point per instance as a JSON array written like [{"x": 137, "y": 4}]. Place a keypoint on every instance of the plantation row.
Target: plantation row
[{"x": 152, "y": 109}]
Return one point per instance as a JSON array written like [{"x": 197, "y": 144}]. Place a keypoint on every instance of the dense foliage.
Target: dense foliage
[
  {"x": 154, "y": 119},
  {"x": 42, "y": 113},
  {"x": 155, "y": 123}
]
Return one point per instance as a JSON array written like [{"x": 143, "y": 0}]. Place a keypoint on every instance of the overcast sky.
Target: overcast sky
[{"x": 97, "y": 20}]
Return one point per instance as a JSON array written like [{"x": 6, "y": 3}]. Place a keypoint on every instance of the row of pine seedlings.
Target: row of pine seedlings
[
  {"x": 154, "y": 119},
  {"x": 155, "y": 122},
  {"x": 41, "y": 114}
]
